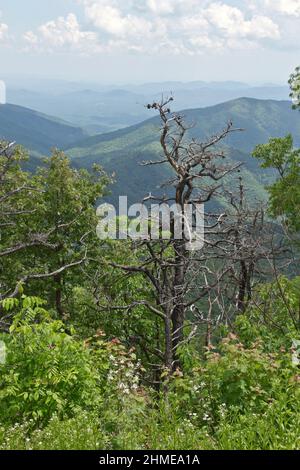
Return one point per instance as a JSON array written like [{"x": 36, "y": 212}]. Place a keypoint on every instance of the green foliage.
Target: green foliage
[
  {"x": 276, "y": 428},
  {"x": 122, "y": 151},
  {"x": 36, "y": 131},
  {"x": 135, "y": 427},
  {"x": 48, "y": 222},
  {"x": 280, "y": 154},
  {"x": 236, "y": 378},
  {"x": 83, "y": 432},
  {"x": 274, "y": 317},
  {"x": 46, "y": 371},
  {"x": 246, "y": 394},
  {"x": 19, "y": 198},
  {"x": 247, "y": 379},
  {"x": 156, "y": 426},
  {"x": 240, "y": 397},
  {"x": 77, "y": 371},
  {"x": 105, "y": 307}
]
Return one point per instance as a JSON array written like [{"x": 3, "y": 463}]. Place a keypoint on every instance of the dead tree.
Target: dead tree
[
  {"x": 179, "y": 277},
  {"x": 252, "y": 247}
]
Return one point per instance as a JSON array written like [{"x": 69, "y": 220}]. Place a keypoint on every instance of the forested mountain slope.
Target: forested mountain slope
[
  {"x": 35, "y": 131},
  {"x": 123, "y": 150}
]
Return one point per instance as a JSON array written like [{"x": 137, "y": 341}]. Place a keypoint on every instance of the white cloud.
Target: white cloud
[
  {"x": 180, "y": 23},
  {"x": 167, "y": 26},
  {"x": 161, "y": 7},
  {"x": 61, "y": 33},
  {"x": 31, "y": 38},
  {"x": 165, "y": 7},
  {"x": 112, "y": 21},
  {"x": 285, "y": 7},
  {"x": 194, "y": 24},
  {"x": 206, "y": 42},
  {"x": 3, "y": 31},
  {"x": 232, "y": 21}
]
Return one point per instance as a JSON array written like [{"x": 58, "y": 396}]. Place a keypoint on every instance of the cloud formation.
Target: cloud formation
[
  {"x": 285, "y": 7},
  {"x": 232, "y": 22},
  {"x": 61, "y": 33},
  {"x": 3, "y": 30},
  {"x": 167, "y": 26}
]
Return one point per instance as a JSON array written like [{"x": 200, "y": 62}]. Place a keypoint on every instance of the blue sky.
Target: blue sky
[{"x": 150, "y": 40}]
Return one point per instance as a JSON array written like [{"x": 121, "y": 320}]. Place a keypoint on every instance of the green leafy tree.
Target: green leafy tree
[
  {"x": 18, "y": 201},
  {"x": 48, "y": 226},
  {"x": 67, "y": 213},
  {"x": 280, "y": 154}
]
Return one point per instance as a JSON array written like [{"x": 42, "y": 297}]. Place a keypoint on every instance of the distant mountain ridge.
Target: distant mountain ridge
[
  {"x": 260, "y": 119},
  {"x": 123, "y": 150},
  {"x": 99, "y": 109},
  {"x": 36, "y": 131}
]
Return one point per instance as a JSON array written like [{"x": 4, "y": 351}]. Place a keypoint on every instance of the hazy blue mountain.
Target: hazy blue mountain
[
  {"x": 123, "y": 150},
  {"x": 99, "y": 109},
  {"x": 35, "y": 131},
  {"x": 95, "y": 111}
]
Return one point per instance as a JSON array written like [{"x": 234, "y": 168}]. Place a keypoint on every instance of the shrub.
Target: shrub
[
  {"x": 82, "y": 432},
  {"x": 246, "y": 380},
  {"x": 47, "y": 371},
  {"x": 275, "y": 429}
]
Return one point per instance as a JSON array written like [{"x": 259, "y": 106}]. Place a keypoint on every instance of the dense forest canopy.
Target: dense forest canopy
[{"x": 144, "y": 344}]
